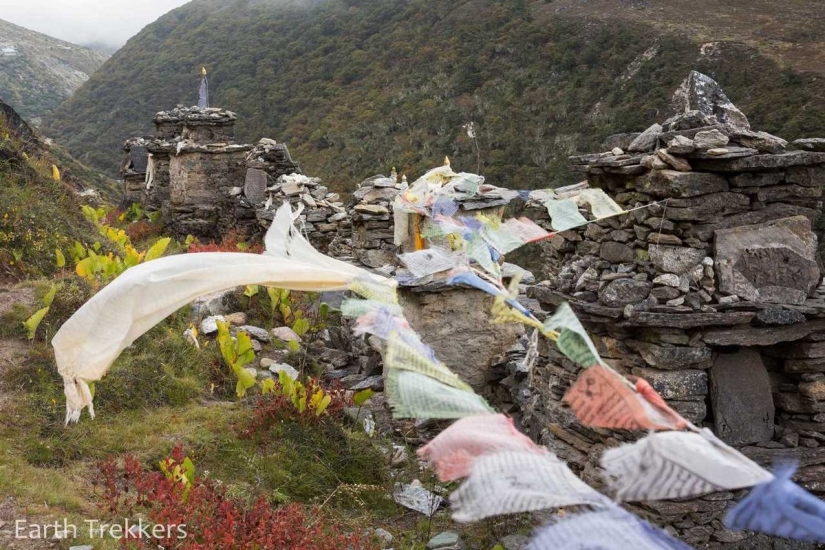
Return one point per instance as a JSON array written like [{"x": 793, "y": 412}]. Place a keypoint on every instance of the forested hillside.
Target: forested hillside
[
  {"x": 38, "y": 72},
  {"x": 356, "y": 86}
]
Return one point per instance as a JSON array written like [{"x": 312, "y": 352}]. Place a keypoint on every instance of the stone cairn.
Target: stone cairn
[
  {"x": 204, "y": 184},
  {"x": 712, "y": 294}
]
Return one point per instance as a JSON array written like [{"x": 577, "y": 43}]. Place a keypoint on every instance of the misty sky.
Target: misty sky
[{"x": 112, "y": 22}]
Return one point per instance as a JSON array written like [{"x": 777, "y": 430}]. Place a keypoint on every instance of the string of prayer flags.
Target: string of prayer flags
[
  {"x": 478, "y": 250},
  {"x": 600, "y": 398},
  {"x": 667, "y": 465},
  {"x": 453, "y": 451},
  {"x": 383, "y": 324},
  {"x": 414, "y": 395},
  {"x": 377, "y": 290},
  {"x": 401, "y": 356},
  {"x": 573, "y": 340},
  {"x": 354, "y": 307},
  {"x": 782, "y": 508},
  {"x": 509, "y": 482},
  {"x": 564, "y": 214},
  {"x": 609, "y": 529},
  {"x": 601, "y": 206},
  {"x": 526, "y": 230},
  {"x": 429, "y": 261}
]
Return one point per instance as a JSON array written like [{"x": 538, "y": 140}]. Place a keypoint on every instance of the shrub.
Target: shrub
[{"x": 210, "y": 519}]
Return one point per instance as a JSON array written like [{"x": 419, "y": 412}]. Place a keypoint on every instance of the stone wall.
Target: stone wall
[{"x": 712, "y": 294}]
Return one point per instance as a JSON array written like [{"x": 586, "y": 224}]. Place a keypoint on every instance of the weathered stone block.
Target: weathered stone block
[
  {"x": 255, "y": 185},
  {"x": 621, "y": 292},
  {"x": 675, "y": 259},
  {"x": 675, "y": 384},
  {"x": 672, "y": 183},
  {"x": 774, "y": 262},
  {"x": 740, "y": 394},
  {"x": 616, "y": 253},
  {"x": 673, "y": 357}
]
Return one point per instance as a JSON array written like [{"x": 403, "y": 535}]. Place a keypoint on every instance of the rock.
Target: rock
[
  {"x": 664, "y": 239},
  {"x": 814, "y": 390},
  {"x": 757, "y": 179},
  {"x": 689, "y": 320},
  {"x": 255, "y": 332},
  {"x": 646, "y": 140},
  {"x": 689, "y": 120},
  {"x": 653, "y": 162},
  {"x": 668, "y": 279},
  {"x": 777, "y": 316},
  {"x": 679, "y": 164},
  {"x": 82, "y": 547},
  {"x": 616, "y": 253},
  {"x": 773, "y": 262},
  {"x": 767, "y": 336},
  {"x": 373, "y": 209},
  {"x": 712, "y": 139},
  {"x": 811, "y": 144},
  {"x": 681, "y": 145},
  {"x": 285, "y": 334},
  {"x": 447, "y": 540},
  {"x": 669, "y": 357},
  {"x": 762, "y": 141},
  {"x": 375, "y": 383},
  {"x": 699, "y": 92},
  {"x": 740, "y": 395},
  {"x": 755, "y": 163},
  {"x": 621, "y": 292},
  {"x": 434, "y": 317},
  {"x": 617, "y": 151},
  {"x": 691, "y": 410},
  {"x": 210, "y": 324},
  {"x": 415, "y": 497},
  {"x": 807, "y": 176},
  {"x": 671, "y": 183},
  {"x": 213, "y": 304},
  {"x": 665, "y": 293},
  {"x": 675, "y": 384},
  {"x": 236, "y": 319},
  {"x": 383, "y": 534},
  {"x": 255, "y": 185},
  {"x": 278, "y": 368}
]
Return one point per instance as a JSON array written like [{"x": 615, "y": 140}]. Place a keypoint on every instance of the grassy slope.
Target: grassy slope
[{"x": 357, "y": 86}]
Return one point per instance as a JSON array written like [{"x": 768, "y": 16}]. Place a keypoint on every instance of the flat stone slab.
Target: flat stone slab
[
  {"x": 762, "y": 336},
  {"x": 675, "y": 384},
  {"x": 756, "y": 163},
  {"x": 774, "y": 262},
  {"x": 688, "y": 320},
  {"x": 740, "y": 395},
  {"x": 672, "y": 183}
]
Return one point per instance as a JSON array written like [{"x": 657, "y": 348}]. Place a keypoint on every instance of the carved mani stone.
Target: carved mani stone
[
  {"x": 740, "y": 394},
  {"x": 773, "y": 262}
]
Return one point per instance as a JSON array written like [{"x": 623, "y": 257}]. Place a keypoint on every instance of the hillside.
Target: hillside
[
  {"x": 38, "y": 213},
  {"x": 38, "y": 72},
  {"x": 356, "y": 86}
]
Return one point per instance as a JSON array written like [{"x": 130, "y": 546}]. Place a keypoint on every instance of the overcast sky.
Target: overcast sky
[{"x": 112, "y": 22}]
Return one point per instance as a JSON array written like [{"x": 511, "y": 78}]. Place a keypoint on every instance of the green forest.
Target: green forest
[{"x": 357, "y": 86}]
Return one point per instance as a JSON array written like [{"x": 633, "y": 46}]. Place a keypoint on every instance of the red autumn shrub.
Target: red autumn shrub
[
  {"x": 199, "y": 516},
  {"x": 231, "y": 242}
]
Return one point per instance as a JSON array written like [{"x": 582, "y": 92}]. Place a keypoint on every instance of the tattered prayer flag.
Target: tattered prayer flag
[
  {"x": 478, "y": 250},
  {"x": 400, "y": 355},
  {"x": 374, "y": 290},
  {"x": 526, "y": 229},
  {"x": 509, "y": 482},
  {"x": 429, "y": 261},
  {"x": 608, "y": 529},
  {"x": 499, "y": 236},
  {"x": 471, "y": 279},
  {"x": 781, "y": 508},
  {"x": 668, "y": 465},
  {"x": 564, "y": 214},
  {"x": 601, "y": 399},
  {"x": 383, "y": 324},
  {"x": 453, "y": 451},
  {"x": 573, "y": 340},
  {"x": 353, "y": 307},
  {"x": 414, "y": 395},
  {"x": 144, "y": 295},
  {"x": 401, "y": 225},
  {"x": 601, "y": 205}
]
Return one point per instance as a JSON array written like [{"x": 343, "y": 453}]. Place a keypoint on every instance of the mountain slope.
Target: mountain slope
[
  {"x": 356, "y": 86},
  {"x": 38, "y": 72}
]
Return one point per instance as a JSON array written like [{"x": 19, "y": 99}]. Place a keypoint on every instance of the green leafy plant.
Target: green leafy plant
[
  {"x": 237, "y": 353},
  {"x": 34, "y": 321}
]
